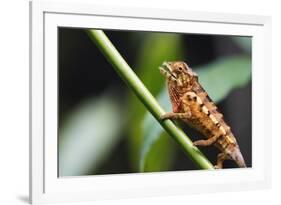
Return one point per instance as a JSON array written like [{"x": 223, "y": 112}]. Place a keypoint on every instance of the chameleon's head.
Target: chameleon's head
[{"x": 178, "y": 74}]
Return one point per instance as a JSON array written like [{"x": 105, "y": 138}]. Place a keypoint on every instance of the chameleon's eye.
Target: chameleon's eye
[{"x": 180, "y": 68}]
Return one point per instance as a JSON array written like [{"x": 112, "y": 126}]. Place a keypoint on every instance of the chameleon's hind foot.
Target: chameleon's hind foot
[
  {"x": 220, "y": 160},
  {"x": 207, "y": 142},
  {"x": 201, "y": 143}
]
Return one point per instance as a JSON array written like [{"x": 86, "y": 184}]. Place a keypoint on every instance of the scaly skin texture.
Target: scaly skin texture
[{"x": 192, "y": 105}]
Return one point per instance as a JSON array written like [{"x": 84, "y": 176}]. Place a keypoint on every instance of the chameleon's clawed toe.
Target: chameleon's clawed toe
[
  {"x": 163, "y": 117},
  {"x": 168, "y": 115},
  {"x": 199, "y": 143},
  {"x": 217, "y": 167}
]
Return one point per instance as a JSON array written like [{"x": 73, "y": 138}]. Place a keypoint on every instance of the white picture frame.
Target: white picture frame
[{"x": 46, "y": 187}]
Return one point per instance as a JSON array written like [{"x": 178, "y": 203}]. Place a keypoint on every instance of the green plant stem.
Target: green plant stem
[{"x": 132, "y": 80}]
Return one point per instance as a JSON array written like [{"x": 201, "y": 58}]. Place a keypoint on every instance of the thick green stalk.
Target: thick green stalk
[{"x": 132, "y": 80}]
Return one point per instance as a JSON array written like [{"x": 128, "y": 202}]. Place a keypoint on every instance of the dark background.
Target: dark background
[{"x": 78, "y": 79}]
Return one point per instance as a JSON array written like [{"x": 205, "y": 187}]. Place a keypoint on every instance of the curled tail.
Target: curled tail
[{"x": 238, "y": 157}]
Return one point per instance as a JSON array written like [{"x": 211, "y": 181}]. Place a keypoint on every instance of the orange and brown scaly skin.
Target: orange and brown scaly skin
[{"x": 192, "y": 104}]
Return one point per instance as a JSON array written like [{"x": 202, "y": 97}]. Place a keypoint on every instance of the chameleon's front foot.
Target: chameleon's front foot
[
  {"x": 166, "y": 116},
  {"x": 175, "y": 116}
]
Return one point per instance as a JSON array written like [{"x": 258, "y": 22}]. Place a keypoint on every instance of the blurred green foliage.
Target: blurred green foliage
[
  {"x": 90, "y": 132},
  {"x": 86, "y": 140},
  {"x": 223, "y": 75},
  {"x": 243, "y": 42}
]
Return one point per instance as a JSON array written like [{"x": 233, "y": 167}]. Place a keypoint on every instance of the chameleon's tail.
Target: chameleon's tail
[{"x": 238, "y": 158}]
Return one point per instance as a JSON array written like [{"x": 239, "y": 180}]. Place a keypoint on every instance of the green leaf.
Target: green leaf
[
  {"x": 88, "y": 135},
  {"x": 156, "y": 48},
  {"x": 223, "y": 75},
  {"x": 218, "y": 78},
  {"x": 243, "y": 42},
  {"x": 161, "y": 156}
]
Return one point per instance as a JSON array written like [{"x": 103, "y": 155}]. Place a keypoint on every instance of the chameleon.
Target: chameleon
[{"x": 191, "y": 104}]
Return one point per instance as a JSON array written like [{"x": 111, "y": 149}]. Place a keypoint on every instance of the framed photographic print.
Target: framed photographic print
[{"x": 128, "y": 102}]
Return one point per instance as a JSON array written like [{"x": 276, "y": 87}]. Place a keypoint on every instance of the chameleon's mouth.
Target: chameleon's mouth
[{"x": 166, "y": 70}]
